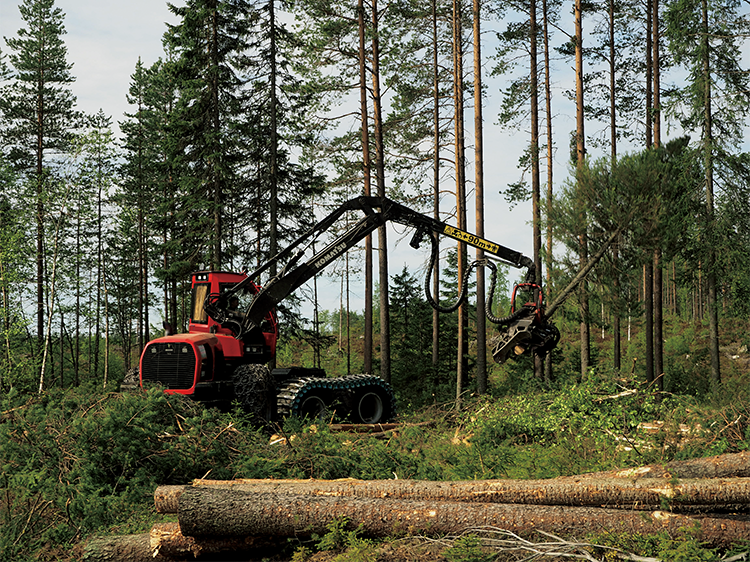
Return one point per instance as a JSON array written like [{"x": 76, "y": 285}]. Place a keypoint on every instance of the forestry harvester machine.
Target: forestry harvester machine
[{"x": 224, "y": 354}]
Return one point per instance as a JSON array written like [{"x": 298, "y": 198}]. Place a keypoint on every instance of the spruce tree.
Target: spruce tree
[
  {"x": 276, "y": 108},
  {"x": 208, "y": 44}
]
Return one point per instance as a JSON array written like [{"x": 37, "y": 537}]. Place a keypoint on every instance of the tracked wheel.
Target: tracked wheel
[
  {"x": 254, "y": 388},
  {"x": 372, "y": 404},
  {"x": 306, "y": 398}
]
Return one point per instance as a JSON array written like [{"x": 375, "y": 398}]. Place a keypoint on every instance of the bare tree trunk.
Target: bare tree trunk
[
  {"x": 535, "y": 174},
  {"x": 366, "y": 175},
  {"x": 658, "y": 322},
  {"x": 580, "y": 160},
  {"x": 617, "y": 352},
  {"x": 550, "y": 163},
  {"x": 435, "y": 191},
  {"x": 656, "y": 121},
  {"x": 481, "y": 362},
  {"x": 385, "y": 317},
  {"x": 648, "y": 298},
  {"x": 458, "y": 100}
]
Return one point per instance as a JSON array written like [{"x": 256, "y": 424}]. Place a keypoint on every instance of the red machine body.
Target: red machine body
[{"x": 200, "y": 364}]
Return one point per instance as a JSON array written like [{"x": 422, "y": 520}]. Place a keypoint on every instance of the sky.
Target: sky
[{"x": 105, "y": 39}]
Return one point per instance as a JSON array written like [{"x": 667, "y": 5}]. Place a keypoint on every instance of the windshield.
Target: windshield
[{"x": 200, "y": 292}]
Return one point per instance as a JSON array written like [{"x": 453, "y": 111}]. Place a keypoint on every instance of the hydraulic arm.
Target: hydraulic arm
[{"x": 525, "y": 329}]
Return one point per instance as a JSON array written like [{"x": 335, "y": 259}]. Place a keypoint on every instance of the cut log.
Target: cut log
[
  {"x": 165, "y": 542},
  {"x": 611, "y": 492},
  {"x": 166, "y": 498},
  {"x": 730, "y": 465},
  {"x": 168, "y": 540},
  {"x": 120, "y": 548},
  {"x": 217, "y": 511}
]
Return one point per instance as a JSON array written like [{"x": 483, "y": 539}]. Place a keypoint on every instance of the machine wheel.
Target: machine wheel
[
  {"x": 131, "y": 381},
  {"x": 255, "y": 390},
  {"x": 372, "y": 404},
  {"x": 315, "y": 406}
]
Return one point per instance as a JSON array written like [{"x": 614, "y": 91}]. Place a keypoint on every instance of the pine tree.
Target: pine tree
[
  {"x": 705, "y": 37},
  {"x": 38, "y": 116}
]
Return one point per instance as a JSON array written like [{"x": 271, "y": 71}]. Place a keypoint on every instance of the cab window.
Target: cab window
[{"x": 199, "y": 294}]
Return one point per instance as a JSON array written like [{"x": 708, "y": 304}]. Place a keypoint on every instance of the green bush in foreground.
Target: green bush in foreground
[{"x": 82, "y": 461}]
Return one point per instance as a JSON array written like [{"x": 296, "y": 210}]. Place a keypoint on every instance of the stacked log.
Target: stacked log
[{"x": 233, "y": 516}]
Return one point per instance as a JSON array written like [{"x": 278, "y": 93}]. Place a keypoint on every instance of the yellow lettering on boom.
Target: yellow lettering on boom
[{"x": 475, "y": 241}]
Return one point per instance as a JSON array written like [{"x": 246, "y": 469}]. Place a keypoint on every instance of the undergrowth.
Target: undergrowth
[{"x": 80, "y": 462}]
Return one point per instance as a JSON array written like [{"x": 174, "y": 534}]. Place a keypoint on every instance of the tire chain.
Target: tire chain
[
  {"x": 252, "y": 386},
  {"x": 294, "y": 391}
]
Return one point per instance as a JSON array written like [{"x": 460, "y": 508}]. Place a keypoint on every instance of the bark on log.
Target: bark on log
[
  {"x": 610, "y": 492},
  {"x": 120, "y": 548},
  {"x": 730, "y": 465},
  {"x": 225, "y": 512},
  {"x": 166, "y": 542}
]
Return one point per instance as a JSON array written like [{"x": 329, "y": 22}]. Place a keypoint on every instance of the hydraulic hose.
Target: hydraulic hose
[{"x": 464, "y": 286}]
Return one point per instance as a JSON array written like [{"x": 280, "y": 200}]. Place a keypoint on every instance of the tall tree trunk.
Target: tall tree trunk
[
  {"x": 481, "y": 363},
  {"x": 580, "y": 160},
  {"x": 550, "y": 163},
  {"x": 435, "y": 189},
  {"x": 613, "y": 156},
  {"x": 458, "y": 100},
  {"x": 273, "y": 242},
  {"x": 273, "y": 239},
  {"x": 712, "y": 305},
  {"x": 385, "y": 317},
  {"x": 648, "y": 298},
  {"x": 535, "y": 174},
  {"x": 655, "y": 120},
  {"x": 366, "y": 176},
  {"x": 658, "y": 321}
]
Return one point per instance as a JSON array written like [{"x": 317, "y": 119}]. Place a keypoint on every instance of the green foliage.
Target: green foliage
[
  {"x": 77, "y": 461},
  {"x": 684, "y": 548},
  {"x": 84, "y": 461},
  {"x": 343, "y": 539},
  {"x": 467, "y": 549}
]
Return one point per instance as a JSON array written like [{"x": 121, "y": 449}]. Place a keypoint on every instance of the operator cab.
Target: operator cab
[{"x": 205, "y": 283}]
